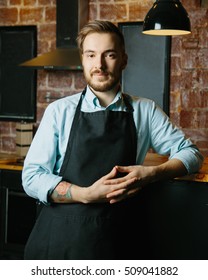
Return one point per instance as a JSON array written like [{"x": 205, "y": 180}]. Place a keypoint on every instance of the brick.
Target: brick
[
  {"x": 47, "y": 32},
  {"x": 175, "y": 101},
  {"x": 46, "y": 45},
  {"x": 175, "y": 81},
  {"x": 194, "y": 98},
  {"x": 203, "y": 144},
  {"x": 93, "y": 12},
  {"x": 203, "y": 58},
  {"x": 176, "y": 65},
  {"x": 175, "y": 118},
  {"x": 40, "y": 111},
  {"x": 202, "y": 118},
  {"x": 29, "y": 2},
  {"x": 3, "y": 2},
  {"x": 15, "y": 2},
  {"x": 113, "y": 12},
  {"x": 50, "y": 14},
  {"x": 49, "y": 95},
  {"x": 44, "y": 2},
  {"x": 42, "y": 77},
  {"x": 137, "y": 12},
  {"x": 203, "y": 38},
  {"x": 198, "y": 18},
  {"x": 176, "y": 45},
  {"x": 204, "y": 79},
  {"x": 190, "y": 4},
  {"x": 5, "y": 128},
  {"x": 31, "y": 15},
  {"x": 199, "y": 134},
  {"x": 8, "y": 144},
  {"x": 8, "y": 15},
  {"x": 189, "y": 79},
  {"x": 204, "y": 98},
  {"x": 188, "y": 119},
  {"x": 59, "y": 79},
  {"x": 80, "y": 82},
  {"x": 190, "y": 99},
  {"x": 190, "y": 59},
  {"x": 191, "y": 43}
]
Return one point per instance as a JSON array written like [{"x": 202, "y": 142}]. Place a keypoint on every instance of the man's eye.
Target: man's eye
[
  {"x": 90, "y": 55},
  {"x": 111, "y": 55}
]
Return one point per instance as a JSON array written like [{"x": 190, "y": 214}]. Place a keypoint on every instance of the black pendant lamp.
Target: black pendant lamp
[{"x": 167, "y": 17}]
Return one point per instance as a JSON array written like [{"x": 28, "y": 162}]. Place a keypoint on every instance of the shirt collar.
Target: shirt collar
[{"x": 92, "y": 99}]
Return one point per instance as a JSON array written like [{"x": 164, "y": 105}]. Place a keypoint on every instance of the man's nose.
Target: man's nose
[{"x": 100, "y": 62}]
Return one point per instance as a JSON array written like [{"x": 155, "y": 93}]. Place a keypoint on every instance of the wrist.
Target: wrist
[
  {"x": 69, "y": 193},
  {"x": 62, "y": 193},
  {"x": 81, "y": 194}
]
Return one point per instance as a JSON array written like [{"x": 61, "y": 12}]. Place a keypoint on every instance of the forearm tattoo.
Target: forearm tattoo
[{"x": 62, "y": 193}]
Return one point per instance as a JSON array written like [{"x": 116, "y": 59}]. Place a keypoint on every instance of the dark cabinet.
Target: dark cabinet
[
  {"x": 173, "y": 217},
  {"x": 17, "y": 215},
  {"x": 17, "y": 44}
]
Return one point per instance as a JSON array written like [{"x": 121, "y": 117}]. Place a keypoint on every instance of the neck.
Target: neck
[{"x": 106, "y": 97}]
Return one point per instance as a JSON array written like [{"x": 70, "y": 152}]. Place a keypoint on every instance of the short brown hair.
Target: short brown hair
[{"x": 99, "y": 26}]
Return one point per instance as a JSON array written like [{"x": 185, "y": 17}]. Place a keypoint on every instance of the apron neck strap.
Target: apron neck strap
[
  {"x": 127, "y": 103},
  {"x": 81, "y": 98},
  {"x": 125, "y": 98}
]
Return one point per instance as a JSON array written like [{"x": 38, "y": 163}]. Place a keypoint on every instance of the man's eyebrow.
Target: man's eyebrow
[
  {"x": 106, "y": 51},
  {"x": 111, "y": 50},
  {"x": 88, "y": 51}
]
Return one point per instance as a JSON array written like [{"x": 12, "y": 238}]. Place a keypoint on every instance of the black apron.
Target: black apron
[{"x": 98, "y": 141}]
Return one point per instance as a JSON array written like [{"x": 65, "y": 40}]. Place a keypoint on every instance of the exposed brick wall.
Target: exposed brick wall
[{"x": 189, "y": 61}]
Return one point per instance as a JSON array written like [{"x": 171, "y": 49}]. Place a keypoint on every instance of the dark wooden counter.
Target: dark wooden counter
[
  {"x": 17, "y": 210},
  {"x": 10, "y": 162}
]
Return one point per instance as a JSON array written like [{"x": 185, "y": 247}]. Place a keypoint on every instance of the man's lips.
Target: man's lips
[{"x": 99, "y": 73}]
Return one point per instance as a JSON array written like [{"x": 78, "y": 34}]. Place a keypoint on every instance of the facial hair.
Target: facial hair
[{"x": 102, "y": 86}]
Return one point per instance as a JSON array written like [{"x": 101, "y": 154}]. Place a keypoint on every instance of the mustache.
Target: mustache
[{"x": 100, "y": 72}]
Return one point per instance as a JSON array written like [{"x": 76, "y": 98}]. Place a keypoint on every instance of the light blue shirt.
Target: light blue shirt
[{"x": 154, "y": 130}]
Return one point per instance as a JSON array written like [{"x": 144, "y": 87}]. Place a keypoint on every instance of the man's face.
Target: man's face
[{"x": 103, "y": 61}]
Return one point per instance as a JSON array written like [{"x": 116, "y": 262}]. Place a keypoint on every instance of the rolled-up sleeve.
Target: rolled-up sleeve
[
  {"x": 174, "y": 142},
  {"x": 39, "y": 176},
  {"x": 156, "y": 131}
]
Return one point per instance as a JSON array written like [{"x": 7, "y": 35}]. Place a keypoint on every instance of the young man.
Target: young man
[{"x": 85, "y": 162}]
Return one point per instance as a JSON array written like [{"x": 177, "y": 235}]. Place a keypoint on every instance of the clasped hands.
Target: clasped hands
[{"x": 112, "y": 189}]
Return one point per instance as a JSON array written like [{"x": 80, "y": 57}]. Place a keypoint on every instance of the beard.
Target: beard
[{"x": 102, "y": 84}]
